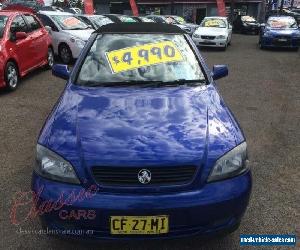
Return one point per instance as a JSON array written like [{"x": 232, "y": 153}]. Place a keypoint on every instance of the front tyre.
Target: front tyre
[
  {"x": 11, "y": 76},
  {"x": 50, "y": 58},
  {"x": 65, "y": 54}
]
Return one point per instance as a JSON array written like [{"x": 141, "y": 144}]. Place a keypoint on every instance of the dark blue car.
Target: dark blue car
[
  {"x": 280, "y": 31},
  {"x": 140, "y": 143}
]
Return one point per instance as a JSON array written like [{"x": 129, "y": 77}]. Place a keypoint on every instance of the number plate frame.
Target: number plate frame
[{"x": 139, "y": 225}]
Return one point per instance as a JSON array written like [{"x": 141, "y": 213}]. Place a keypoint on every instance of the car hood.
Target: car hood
[
  {"x": 134, "y": 126},
  {"x": 284, "y": 31},
  {"x": 81, "y": 34},
  {"x": 211, "y": 31}
]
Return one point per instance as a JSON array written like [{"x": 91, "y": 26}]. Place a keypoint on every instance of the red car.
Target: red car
[{"x": 24, "y": 45}]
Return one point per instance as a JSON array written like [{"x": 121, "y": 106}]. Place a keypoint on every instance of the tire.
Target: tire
[
  {"x": 11, "y": 76},
  {"x": 50, "y": 58},
  {"x": 65, "y": 54}
]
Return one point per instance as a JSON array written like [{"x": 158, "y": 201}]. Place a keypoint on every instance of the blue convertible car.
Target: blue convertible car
[
  {"x": 141, "y": 144},
  {"x": 280, "y": 31}
]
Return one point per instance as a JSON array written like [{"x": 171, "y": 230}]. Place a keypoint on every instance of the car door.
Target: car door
[
  {"x": 38, "y": 35},
  {"x": 21, "y": 47}
]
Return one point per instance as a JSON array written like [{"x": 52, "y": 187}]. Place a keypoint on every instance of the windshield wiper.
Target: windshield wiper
[{"x": 146, "y": 83}]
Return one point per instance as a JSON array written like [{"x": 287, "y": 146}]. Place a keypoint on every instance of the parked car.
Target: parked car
[
  {"x": 24, "y": 45},
  {"x": 141, "y": 141},
  {"x": 69, "y": 33},
  {"x": 246, "y": 24},
  {"x": 284, "y": 12},
  {"x": 142, "y": 19},
  {"x": 16, "y": 4},
  {"x": 280, "y": 31},
  {"x": 116, "y": 18},
  {"x": 95, "y": 21},
  {"x": 181, "y": 21},
  {"x": 213, "y": 32},
  {"x": 169, "y": 20}
]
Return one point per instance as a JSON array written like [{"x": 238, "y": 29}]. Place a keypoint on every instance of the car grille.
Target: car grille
[
  {"x": 208, "y": 37},
  {"x": 207, "y": 43},
  {"x": 128, "y": 176}
]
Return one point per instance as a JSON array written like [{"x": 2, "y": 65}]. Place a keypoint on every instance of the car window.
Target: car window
[
  {"x": 100, "y": 21},
  {"x": 249, "y": 19},
  {"x": 18, "y": 25},
  {"x": 47, "y": 22},
  {"x": 33, "y": 24},
  {"x": 146, "y": 20},
  {"x": 68, "y": 22},
  {"x": 3, "y": 20},
  {"x": 213, "y": 22},
  {"x": 127, "y": 19},
  {"x": 139, "y": 57}
]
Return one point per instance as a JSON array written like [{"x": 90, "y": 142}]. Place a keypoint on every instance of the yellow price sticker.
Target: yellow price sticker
[
  {"x": 212, "y": 23},
  {"x": 143, "y": 55}
]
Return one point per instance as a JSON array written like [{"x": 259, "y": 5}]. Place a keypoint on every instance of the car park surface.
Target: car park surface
[{"x": 266, "y": 104}]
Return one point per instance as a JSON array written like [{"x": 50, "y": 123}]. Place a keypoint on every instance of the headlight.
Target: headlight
[
  {"x": 268, "y": 34},
  {"x": 220, "y": 37},
  {"x": 79, "y": 42},
  {"x": 52, "y": 166},
  {"x": 196, "y": 35},
  {"x": 233, "y": 163}
]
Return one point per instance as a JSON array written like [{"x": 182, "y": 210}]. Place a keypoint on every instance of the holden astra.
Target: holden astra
[
  {"x": 213, "y": 32},
  {"x": 24, "y": 45},
  {"x": 141, "y": 144},
  {"x": 280, "y": 31},
  {"x": 69, "y": 33}
]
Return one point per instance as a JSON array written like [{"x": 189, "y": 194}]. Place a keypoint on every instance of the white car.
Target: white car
[
  {"x": 69, "y": 33},
  {"x": 213, "y": 32}
]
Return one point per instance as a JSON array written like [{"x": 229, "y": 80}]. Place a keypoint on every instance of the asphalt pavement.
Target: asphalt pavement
[{"x": 263, "y": 92}]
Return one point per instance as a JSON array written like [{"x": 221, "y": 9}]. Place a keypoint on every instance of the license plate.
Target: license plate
[
  {"x": 282, "y": 40},
  {"x": 139, "y": 224}
]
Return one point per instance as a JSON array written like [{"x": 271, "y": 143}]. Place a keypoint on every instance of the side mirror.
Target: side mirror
[
  {"x": 49, "y": 29},
  {"x": 20, "y": 35},
  {"x": 61, "y": 71},
  {"x": 219, "y": 71}
]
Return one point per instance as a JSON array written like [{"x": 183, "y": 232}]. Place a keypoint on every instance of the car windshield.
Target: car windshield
[
  {"x": 68, "y": 22},
  {"x": 282, "y": 23},
  {"x": 138, "y": 59},
  {"x": 179, "y": 20},
  {"x": 213, "y": 22},
  {"x": 127, "y": 19},
  {"x": 248, "y": 19},
  {"x": 3, "y": 20},
  {"x": 146, "y": 20},
  {"x": 100, "y": 20}
]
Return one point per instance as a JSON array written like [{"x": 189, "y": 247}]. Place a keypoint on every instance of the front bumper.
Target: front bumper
[
  {"x": 251, "y": 29},
  {"x": 279, "y": 42},
  {"x": 219, "y": 43},
  {"x": 216, "y": 207}
]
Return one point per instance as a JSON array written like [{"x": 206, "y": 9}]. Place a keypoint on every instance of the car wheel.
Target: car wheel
[
  {"x": 50, "y": 58},
  {"x": 65, "y": 54},
  {"x": 11, "y": 76}
]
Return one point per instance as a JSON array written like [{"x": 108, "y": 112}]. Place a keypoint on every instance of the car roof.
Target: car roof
[
  {"x": 55, "y": 13},
  {"x": 141, "y": 28},
  {"x": 12, "y": 12}
]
